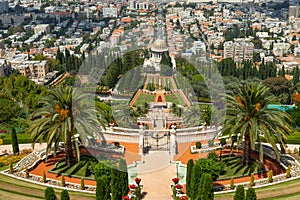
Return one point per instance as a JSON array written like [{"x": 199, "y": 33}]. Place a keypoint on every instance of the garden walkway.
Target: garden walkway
[{"x": 156, "y": 174}]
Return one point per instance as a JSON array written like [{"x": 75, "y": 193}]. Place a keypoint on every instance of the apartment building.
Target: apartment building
[
  {"x": 33, "y": 69},
  {"x": 238, "y": 50}
]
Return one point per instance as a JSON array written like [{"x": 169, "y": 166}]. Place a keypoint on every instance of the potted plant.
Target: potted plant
[
  {"x": 137, "y": 181},
  {"x": 184, "y": 198},
  {"x": 178, "y": 187},
  {"x": 132, "y": 187},
  {"x": 175, "y": 180}
]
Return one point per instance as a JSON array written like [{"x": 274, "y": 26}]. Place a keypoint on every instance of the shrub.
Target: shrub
[
  {"x": 231, "y": 183},
  {"x": 63, "y": 181},
  {"x": 50, "y": 194},
  {"x": 117, "y": 144},
  {"x": 250, "y": 194},
  {"x": 11, "y": 169},
  {"x": 288, "y": 172},
  {"x": 222, "y": 141},
  {"x": 102, "y": 188},
  {"x": 211, "y": 143},
  {"x": 239, "y": 193},
  {"x": 26, "y": 173},
  {"x": 198, "y": 145},
  {"x": 252, "y": 183},
  {"x": 270, "y": 176},
  {"x": 64, "y": 195},
  {"x": 82, "y": 185},
  {"x": 44, "y": 178},
  {"x": 212, "y": 155},
  {"x": 138, "y": 193}
]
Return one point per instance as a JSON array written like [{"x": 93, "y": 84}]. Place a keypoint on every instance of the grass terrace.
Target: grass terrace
[
  {"x": 235, "y": 169},
  {"x": 144, "y": 98}
]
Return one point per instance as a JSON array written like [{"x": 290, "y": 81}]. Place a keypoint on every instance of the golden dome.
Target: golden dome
[{"x": 159, "y": 46}]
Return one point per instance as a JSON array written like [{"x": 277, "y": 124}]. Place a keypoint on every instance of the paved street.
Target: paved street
[{"x": 156, "y": 174}]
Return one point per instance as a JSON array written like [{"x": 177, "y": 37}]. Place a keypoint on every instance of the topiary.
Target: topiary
[
  {"x": 82, "y": 185},
  {"x": 44, "y": 179},
  {"x": 231, "y": 183},
  {"x": 26, "y": 173},
  {"x": 64, "y": 195},
  {"x": 198, "y": 145},
  {"x": 252, "y": 183},
  {"x": 210, "y": 143},
  {"x": 50, "y": 194},
  {"x": 11, "y": 169},
  {"x": 239, "y": 193},
  {"x": 288, "y": 172},
  {"x": 250, "y": 194},
  {"x": 63, "y": 181},
  {"x": 270, "y": 176}
]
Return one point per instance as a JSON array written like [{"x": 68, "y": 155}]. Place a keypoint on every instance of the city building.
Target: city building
[
  {"x": 42, "y": 28},
  {"x": 4, "y": 6},
  {"x": 294, "y": 11},
  {"x": 5, "y": 69},
  {"x": 139, "y": 5},
  {"x": 110, "y": 12},
  {"x": 33, "y": 69},
  {"x": 238, "y": 50}
]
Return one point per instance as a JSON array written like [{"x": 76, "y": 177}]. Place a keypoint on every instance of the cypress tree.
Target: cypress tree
[
  {"x": 206, "y": 189},
  {"x": 288, "y": 172},
  {"x": 102, "y": 188},
  {"x": 64, "y": 195},
  {"x": 123, "y": 182},
  {"x": 196, "y": 176},
  {"x": 14, "y": 139},
  {"x": 239, "y": 193},
  {"x": 189, "y": 171},
  {"x": 44, "y": 179},
  {"x": 250, "y": 194},
  {"x": 50, "y": 194},
  {"x": 270, "y": 176}
]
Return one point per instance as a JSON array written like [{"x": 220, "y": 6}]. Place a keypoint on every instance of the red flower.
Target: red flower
[
  {"x": 126, "y": 198},
  {"x": 175, "y": 180},
  {"x": 137, "y": 180},
  {"x": 132, "y": 186},
  {"x": 184, "y": 198},
  {"x": 178, "y": 186}
]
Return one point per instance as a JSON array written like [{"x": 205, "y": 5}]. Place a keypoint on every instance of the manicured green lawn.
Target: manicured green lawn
[
  {"x": 171, "y": 98},
  {"x": 15, "y": 189},
  {"x": 81, "y": 168},
  {"x": 22, "y": 138},
  {"x": 234, "y": 167},
  {"x": 294, "y": 138},
  {"x": 144, "y": 98}
]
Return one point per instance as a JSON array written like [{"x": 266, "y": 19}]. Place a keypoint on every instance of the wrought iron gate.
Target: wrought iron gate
[{"x": 156, "y": 142}]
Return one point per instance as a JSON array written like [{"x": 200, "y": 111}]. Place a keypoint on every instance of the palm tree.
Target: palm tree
[
  {"x": 64, "y": 113},
  {"x": 247, "y": 117}
]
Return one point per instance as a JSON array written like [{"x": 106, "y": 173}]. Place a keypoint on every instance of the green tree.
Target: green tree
[
  {"x": 14, "y": 139},
  {"x": 270, "y": 176},
  {"x": 252, "y": 183},
  {"x": 189, "y": 171},
  {"x": 196, "y": 176},
  {"x": 239, "y": 193},
  {"x": 50, "y": 194},
  {"x": 103, "y": 188},
  {"x": 55, "y": 120},
  {"x": 64, "y": 195},
  {"x": 247, "y": 117},
  {"x": 231, "y": 183},
  {"x": 82, "y": 185},
  {"x": 250, "y": 194},
  {"x": 206, "y": 189}
]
